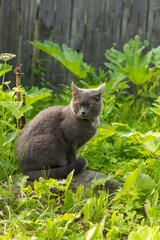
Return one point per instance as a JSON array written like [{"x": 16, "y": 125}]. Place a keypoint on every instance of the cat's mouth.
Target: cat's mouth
[
  {"x": 82, "y": 116},
  {"x": 86, "y": 117}
]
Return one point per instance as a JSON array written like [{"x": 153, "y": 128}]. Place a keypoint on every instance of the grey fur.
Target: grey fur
[{"x": 50, "y": 142}]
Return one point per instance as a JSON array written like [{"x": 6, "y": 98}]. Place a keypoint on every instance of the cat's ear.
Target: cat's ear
[
  {"x": 75, "y": 90},
  {"x": 101, "y": 88},
  {"x": 98, "y": 91}
]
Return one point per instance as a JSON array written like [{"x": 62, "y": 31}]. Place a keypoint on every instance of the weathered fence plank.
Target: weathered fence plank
[
  {"x": 155, "y": 18},
  {"x": 8, "y": 25},
  {"x": 62, "y": 28},
  {"x": 8, "y": 34},
  {"x": 17, "y": 27},
  {"x": 88, "y": 26},
  {"x": 45, "y": 31},
  {"x": 94, "y": 32},
  {"x": 78, "y": 25},
  {"x": 28, "y": 10}
]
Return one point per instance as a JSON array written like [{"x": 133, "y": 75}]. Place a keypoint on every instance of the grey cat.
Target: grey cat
[{"x": 48, "y": 145}]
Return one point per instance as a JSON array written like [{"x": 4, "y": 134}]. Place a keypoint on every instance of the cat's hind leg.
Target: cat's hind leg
[
  {"x": 41, "y": 152},
  {"x": 57, "y": 173}
]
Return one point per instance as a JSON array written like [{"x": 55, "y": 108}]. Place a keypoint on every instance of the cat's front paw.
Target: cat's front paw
[
  {"x": 83, "y": 161},
  {"x": 80, "y": 164}
]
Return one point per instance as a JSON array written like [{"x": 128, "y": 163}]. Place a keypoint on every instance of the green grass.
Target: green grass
[
  {"x": 127, "y": 147},
  {"x": 50, "y": 211}
]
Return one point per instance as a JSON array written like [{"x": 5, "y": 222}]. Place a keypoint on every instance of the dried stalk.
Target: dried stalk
[{"x": 18, "y": 74}]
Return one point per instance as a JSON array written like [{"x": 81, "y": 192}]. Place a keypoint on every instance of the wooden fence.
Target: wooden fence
[{"x": 89, "y": 26}]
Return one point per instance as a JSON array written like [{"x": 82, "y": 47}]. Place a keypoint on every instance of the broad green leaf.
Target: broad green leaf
[
  {"x": 131, "y": 64},
  {"x": 80, "y": 236},
  {"x": 139, "y": 181},
  {"x": 149, "y": 136},
  {"x": 139, "y": 76},
  {"x": 99, "y": 181},
  {"x": 88, "y": 209},
  {"x": 67, "y": 57},
  {"x": 156, "y": 110},
  {"x": 89, "y": 192},
  {"x": 12, "y": 126},
  {"x": 79, "y": 193},
  {"x": 36, "y": 94},
  {"x": 5, "y": 96},
  {"x": 156, "y": 55},
  {"x": 24, "y": 109},
  {"x": 93, "y": 233},
  {"x": 48, "y": 47},
  {"x": 144, "y": 182},
  {"x": 114, "y": 218},
  {"x": 145, "y": 61},
  {"x": 68, "y": 201},
  {"x": 152, "y": 212},
  {"x": 132, "y": 50},
  {"x": 70, "y": 55},
  {"x": 4, "y": 69},
  {"x": 115, "y": 57},
  {"x": 144, "y": 233},
  {"x": 115, "y": 79},
  {"x": 131, "y": 180},
  {"x": 15, "y": 108},
  {"x": 123, "y": 130},
  {"x": 152, "y": 145},
  {"x": 106, "y": 131},
  {"x": 11, "y": 137}
]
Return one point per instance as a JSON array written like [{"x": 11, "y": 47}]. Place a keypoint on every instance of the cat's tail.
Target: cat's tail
[{"x": 58, "y": 173}]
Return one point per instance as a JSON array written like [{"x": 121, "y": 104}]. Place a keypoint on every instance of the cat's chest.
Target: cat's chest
[
  {"x": 86, "y": 128},
  {"x": 87, "y": 134},
  {"x": 80, "y": 131},
  {"x": 95, "y": 122}
]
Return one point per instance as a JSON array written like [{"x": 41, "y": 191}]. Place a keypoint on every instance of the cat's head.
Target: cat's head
[{"x": 87, "y": 103}]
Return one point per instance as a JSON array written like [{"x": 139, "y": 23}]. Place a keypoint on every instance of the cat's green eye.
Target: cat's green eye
[
  {"x": 90, "y": 105},
  {"x": 78, "y": 105}
]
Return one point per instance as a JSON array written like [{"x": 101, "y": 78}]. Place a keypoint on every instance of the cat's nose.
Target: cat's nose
[{"x": 83, "y": 113}]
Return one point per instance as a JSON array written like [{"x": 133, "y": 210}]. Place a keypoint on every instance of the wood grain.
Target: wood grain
[{"x": 87, "y": 26}]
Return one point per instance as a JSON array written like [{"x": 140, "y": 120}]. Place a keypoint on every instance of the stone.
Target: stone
[{"x": 86, "y": 176}]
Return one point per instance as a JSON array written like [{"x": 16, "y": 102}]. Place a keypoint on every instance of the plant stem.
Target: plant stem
[
  {"x": 3, "y": 74},
  {"x": 2, "y": 85},
  {"x": 136, "y": 97}
]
